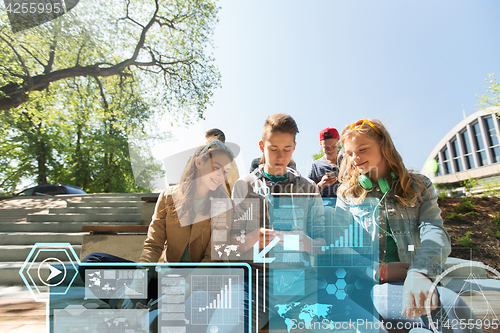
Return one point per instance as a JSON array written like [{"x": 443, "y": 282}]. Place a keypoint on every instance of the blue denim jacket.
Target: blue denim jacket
[{"x": 420, "y": 236}]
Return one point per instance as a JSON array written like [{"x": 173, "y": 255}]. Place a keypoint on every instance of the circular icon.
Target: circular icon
[
  {"x": 464, "y": 290},
  {"x": 54, "y": 272},
  {"x": 431, "y": 166}
]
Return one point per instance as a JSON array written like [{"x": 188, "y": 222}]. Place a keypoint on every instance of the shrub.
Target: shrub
[
  {"x": 485, "y": 197},
  {"x": 465, "y": 241},
  {"x": 442, "y": 195},
  {"x": 472, "y": 213},
  {"x": 466, "y": 205},
  {"x": 454, "y": 216}
]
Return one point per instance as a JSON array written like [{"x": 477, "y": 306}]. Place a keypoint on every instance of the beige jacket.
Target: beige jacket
[{"x": 167, "y": 239}]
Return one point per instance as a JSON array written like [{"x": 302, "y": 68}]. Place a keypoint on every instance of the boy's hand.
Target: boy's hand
[
  {"x": 415, "y": 295},
  {"x": 327, "y": 181}
]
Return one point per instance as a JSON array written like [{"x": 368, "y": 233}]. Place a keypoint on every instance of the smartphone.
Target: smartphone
[{"x": 332, "y": 173}]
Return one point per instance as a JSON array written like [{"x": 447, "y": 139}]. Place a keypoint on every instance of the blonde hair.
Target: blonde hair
[
  {"x": 278, "y": 122},
  {"x": 408, "y": 187},
  {"x": 184, "y": 196}
]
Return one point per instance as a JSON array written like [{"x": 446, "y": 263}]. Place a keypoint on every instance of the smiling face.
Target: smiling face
[
  {"x": 330, "y": 148},
  {"x": 365, "y": 154},
  {"x": 212, "y": 171},
  {"x": 278, "y": 150}
]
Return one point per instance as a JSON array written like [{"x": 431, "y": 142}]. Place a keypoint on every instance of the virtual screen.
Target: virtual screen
[{"x": 163, "y": 298}]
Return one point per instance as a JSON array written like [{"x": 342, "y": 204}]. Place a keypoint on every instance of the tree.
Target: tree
[
  {"x": 72, "y": 89},
  {"x": 319, "y": 155},
  {"x": 493, "y": 99},
  {"x": 161, "y": 43}
]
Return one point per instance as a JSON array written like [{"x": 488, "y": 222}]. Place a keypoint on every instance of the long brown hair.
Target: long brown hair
[
  {"x": 406, "y": 192},
  {"x": 184, "y": 196}
]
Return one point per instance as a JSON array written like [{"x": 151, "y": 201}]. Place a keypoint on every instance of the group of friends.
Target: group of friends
[{"x": 412, "y": 242}]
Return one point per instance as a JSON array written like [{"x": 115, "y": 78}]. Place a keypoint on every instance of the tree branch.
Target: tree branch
[{"x": 99, "y": 83}]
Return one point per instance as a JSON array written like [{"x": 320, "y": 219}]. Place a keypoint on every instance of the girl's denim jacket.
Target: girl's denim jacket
[{"x": 420, "y": 236}]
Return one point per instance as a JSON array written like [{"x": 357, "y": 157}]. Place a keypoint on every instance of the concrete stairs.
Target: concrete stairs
[{"x": 62, "y": 225}]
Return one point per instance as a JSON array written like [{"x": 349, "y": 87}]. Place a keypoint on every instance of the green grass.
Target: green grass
[
  {"x": 497, "y": 235},
  {"x": 496, "y": 220},
  {"x": 465, "y": 241},
  {"x": 454, "y": 216}
]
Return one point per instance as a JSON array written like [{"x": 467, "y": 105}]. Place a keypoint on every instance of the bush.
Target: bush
[
  {"x": 465, "y": 241},
  {"x": 454, "y": 216},
  {"x": 442, "y": 195},
  {"x": 466, "y": 205},
  {"x": 472, "y": 213},
  {"x": 485, "y": 197}
]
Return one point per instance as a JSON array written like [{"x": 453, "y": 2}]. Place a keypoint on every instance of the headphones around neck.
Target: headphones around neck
[{"x": 366, "y": 183}]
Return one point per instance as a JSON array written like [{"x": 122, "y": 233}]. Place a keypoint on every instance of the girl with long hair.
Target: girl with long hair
[{"x": 413, "y": 244}]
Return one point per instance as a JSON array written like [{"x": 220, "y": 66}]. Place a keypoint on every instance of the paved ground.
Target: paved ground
[{"x": 19, "y": 313}]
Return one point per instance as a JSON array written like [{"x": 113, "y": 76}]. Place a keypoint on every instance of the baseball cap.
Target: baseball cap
[{"x": 328, "y": 133}]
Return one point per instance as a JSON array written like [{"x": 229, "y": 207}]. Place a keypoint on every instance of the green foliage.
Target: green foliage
[
  {"x": 164, "y": 45},
  {"x": 497, "y": 235},
  {"x": 496, "y": 220},
  {"x": 469, "y": 184},
  {"x": 472, "y": 213},
  {"x": 466, "y": 205},
  {"x": 493, "y": 97},
  {"x": 465, "y": 241},
  {"x": 454, "y": 216},
  {"x": 102, "y": 71},
  {"x": 442, "y": 195},
  {"x": 485, "y": 197},
  {"x": 318, "y": 155}
]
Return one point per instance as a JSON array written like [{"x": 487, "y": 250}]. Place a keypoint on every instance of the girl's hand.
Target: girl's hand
[
  {"x": 393, "y": 272},
  {"x": 415, "y": 295}
]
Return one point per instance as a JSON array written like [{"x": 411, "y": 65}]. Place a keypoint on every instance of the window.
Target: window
[
  {"x": 492, "y": 138},
  {"x": 478, "y": 139},
  {"x": 438, "y": 172},
  {"x": 469, "y": 160},
  {"x": 457, "y": 162},
  {"x": 446, "y": 161}
]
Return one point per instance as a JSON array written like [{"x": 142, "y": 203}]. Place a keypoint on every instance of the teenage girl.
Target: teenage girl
[
  {"x": 413, "y": 244},
  {"x": 180, "y": 230}
]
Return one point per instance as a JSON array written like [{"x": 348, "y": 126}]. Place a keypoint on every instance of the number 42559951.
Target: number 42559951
[{"x": 34, "y": 8}]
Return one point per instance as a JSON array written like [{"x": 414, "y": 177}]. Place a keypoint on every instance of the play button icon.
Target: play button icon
[
  {"x": 56, "y": 275},
  {"x": 53, "y": 272}
]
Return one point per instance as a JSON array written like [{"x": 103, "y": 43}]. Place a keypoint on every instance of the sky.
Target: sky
[{"x": 415, "y": 65}]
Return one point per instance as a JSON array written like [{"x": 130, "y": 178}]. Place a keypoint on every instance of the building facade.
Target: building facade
[{"x": 470, "y": 150}]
